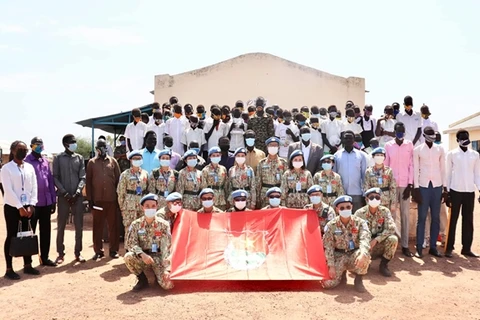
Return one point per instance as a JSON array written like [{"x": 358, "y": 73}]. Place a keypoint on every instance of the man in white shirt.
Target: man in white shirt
[
  {"x": 237, "y": 131},
  {"x": 214, "y": 129},
  {"x": 386, "y": 126},
  {"x": 155, "y": 107},
  {"x": 174, "y": 127},
  {"x": 331, "y": 131},
  {"x": 368, "y": 125},
  {"x": 158, "y": 127},
  {"x": 426, "y": 121},
  {"x": 463, "y": 173},
  {"x": 193, "y": 133},
  {"x": 428, "y": 179},
  {"x": 349, "y": 123},
  {"x": 135, "y": 131},
  {"x": 288, "y": 133},
  {"x": 316, "y": 130},
  {"x": 412, "y": 121}
]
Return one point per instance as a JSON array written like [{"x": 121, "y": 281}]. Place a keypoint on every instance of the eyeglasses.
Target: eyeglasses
[
  {"x": 348, "y": 207},
  {"x": 176, "y": 202},
  {"x": 374, "y": 197},
  {"x": 240, "y": 199},
  {"x": 207, "y": 199},
  {"x": 274, "y": 197}
]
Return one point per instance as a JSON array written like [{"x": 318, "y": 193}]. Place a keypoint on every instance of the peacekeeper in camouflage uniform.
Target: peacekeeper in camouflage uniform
[
  {"x": 274, "y": 196},
  {"x": 241, "y": 176},
  {"x": 207, "y": 198},
  {"x": 148, "y": 242},
  {"x": 172, "y": 208},
  {"x": 347, "y": 245},
  {"x": 325, "y": 213},
  {"x": 189, "y": 181},
  {"x": 381, "y": 176},
  {"x": 269, "y": 171},
  {"x": 132, "y": 187},
  {"x": 296, "y": 181},
  {"x": 214, "y": 176},
  {"x": 120, "y": 154},
  {"x": 262, "y": 125},
  {"x": 162, "y": 180},
  {"x": 328, "y": 180},
  {"x": 382, "y": 227},
  {"x": 240, "y": 198}
]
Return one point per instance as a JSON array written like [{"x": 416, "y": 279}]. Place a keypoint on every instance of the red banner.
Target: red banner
[{"x": 274, "y": 244}]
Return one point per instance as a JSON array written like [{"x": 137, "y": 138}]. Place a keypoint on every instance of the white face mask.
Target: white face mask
[
  {"x": 215, "y": 159},
  {"x": 192, "y": 163},
  {"x": 150, "y": 213},
  {"x": 374, "y": 203},
  {"x": 297, "y": 164},
  {"x": 274, "y": 202},
  {"x": 137, "y": 163},
  {"x": 240, "y": 160},
  {"x": 175, "y": 208},
  {"x": 315, "y": 199},
  {"x": 272, "y": 150},
  {"x": 207, "y": 203},
  {"x": 240, "y": 205},
  {"x": 345, "y": 213},
  {"x": 379, "y": 159}
]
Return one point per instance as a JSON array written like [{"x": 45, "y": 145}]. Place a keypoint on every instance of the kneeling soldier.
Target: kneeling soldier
[
  {"x": 325, "y": 213},
  {"x": 239, "y": 201}
]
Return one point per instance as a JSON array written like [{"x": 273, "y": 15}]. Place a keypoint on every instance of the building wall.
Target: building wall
[
  {"x": 474, "y": 136},
  {"x": 257, "y": 74}
]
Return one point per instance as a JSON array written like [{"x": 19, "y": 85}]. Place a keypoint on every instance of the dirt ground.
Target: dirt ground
[{"x": 430, "y": 288}]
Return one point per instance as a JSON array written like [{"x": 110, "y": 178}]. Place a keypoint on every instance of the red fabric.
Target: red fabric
[{"x": 279, "y": 244}]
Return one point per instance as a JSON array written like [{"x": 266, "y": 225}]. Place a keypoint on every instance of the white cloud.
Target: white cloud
[
  {"x": 6, "y": 47},
  {"x": 11, "y": 28},
  {"x": 100, "y": 36}
]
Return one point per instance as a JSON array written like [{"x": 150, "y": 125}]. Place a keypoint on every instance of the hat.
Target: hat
[
  {"x": 205, "y": 191},
  {"x": 314, "y": 188},
  {"x": 150, "y": 196},
  {"x": 36, "y": 140},
  {"x": 342, "y": 199},
  {"x": 239, "y": 193},
  {"x": 273, "y": 190},
  {"x": 294, "y": 154},
  {"x": 239, "y": 150},
  {"x": 272, "y": 139},
  {"x": 165, "y": 152},
  {"x": 214, "y": 150},
  {"x": 378, "y": 150},
  {"x": 173, "y": 196},
  {"x": 189, "y": 153},
  {"x": 135, "y": 153},
  {"x": 328, "y": 156},
  {"x": 372, "y": 190}
]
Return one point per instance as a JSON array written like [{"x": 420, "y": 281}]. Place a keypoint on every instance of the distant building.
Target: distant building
[{"x": 472, "y": 125}]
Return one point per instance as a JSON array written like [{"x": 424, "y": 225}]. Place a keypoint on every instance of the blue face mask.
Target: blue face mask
[
  {"x": 192, "y": 163},
  {"x": 38, "y": 149},
  {"x": 438, "y": 142},
  {"x": 274, "y": 202},
  {"x": 72, "y": 147},
  {"x": 327, "y": 166},
  {"x": 400, "y": 135},
  {"x": 164, "y": 163},
  {"x": 301, "y": 123},
  {"x": 395, "y": 112},
  {"x": 122, "y": 143},
  {"x": 250, "y": 142},
  {"x": 306, "y": 136}
]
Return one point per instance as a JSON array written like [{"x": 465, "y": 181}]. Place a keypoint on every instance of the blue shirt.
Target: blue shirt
[
  {"x": 151, "y": 160},
  {"x": 351, "y": 167}
]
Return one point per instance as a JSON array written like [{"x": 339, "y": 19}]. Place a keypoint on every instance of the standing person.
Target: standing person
[
  {"x": 316, "y": 131},
  {"x": 428, "y": 179},
  {"x": 175, "y": 158},
  {"x": 103, "y": 174},
  {"x": 242, "y": 177},
  {"x": 350, "y": 124},
  {"x": 411, "y": 120},
  {"x": 109, "y": 147},
  {"x": 69, "y": 175},
  {"x": 163, "y": 179},
  {"x": 135, "y": 131},
  {"x": 396, "y": 109},
  {"x": 312, "y": 152},
  {"x": 324, "y": 212},
  {"x": 47, "y": 199},
  {"x": 254, "y": 155},
  {"x": 158, "y": 127},
  {"x": 189, "y": 181},
  {"x": 462, "y": 173},
  {"x": 385, "y": 126},
  {"x": 227, "y": 159},
  {"x": 331, "y": 131},
  {"x": 328, "y": 180},
  {"x": 214, "y": 176},
  {"x": 214, "y": 129},
  {"x": 288, "y": 133},
  {"x": 351, "y": 165},
  {"x": 121, "y": 154},
  {"x": 237, "y": 131},
  {"x": 175, "y": 127},
  {"x": 155, "y": 108},
  {"x": 368, "y": 125},
  {"x": 20, "y": 185},
  {"x": 296, "y": 181},
  {"x": 426, "y": 121},
  {"x": 193, "y": 133},
  {"x": 261, "y": 124},
  {"x": 399, "y": 157},
  {"x": 150, "y": 154}
]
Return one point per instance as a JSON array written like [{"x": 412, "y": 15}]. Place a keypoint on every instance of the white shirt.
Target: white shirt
[
  {"x": 316, "y": 137},
  {"x": 285, "y": 139},
  {"x": 332, "y": 130},
  {"x": 368, "y": 125},
  {"x": 427, "y": 123},
  {"x": 352, "y": 126},
  {"x": 14, "y": 179},
  {"x": 462, "y": 170},
  {"x": 387, "y": 125},
  {"x": 428, "y": 166},
  {"x": 190, "y": 135},
  {"x": 412, "y": 123},
  {"x": 160, "y": 132},
  {"x": 174, "y": 127},
  {"x": 109, "y": 150},
  {"x": 236, "y": 135},
  {"x": 222, "y": 131},
  {"x": 135, "y": 132},
  {"x": 306, "y": 151}
]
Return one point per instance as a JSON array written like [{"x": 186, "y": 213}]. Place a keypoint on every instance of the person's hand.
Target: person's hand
[
  {"x": 148, "y": 260},
  {"x": 360, "y": 261},
  {"x": 242, "y": 126},
  {"x": 254, "y": 208},
  {"x": 68, "y": 197},
  {"x": 445, "y": 195},
  {"x": 216, "y": 122},
  {"x": 332, "y": 273},
  {"x": 53, "y": 208},
  {"x": 373, "y": 243},
  {"x": 417, "y": 196},
  {"x": 448, "y": 201},
  {"x": 23, "y": 212},
  {"x": 407, "y": 192},
  {"x": 30, "y": 211},
  {"x": 90, "y": 204},
  {"x": 333, "y": 150},
  {"x": 74, "y": 198}
]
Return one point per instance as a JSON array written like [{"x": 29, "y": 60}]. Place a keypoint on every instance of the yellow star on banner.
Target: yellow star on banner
[{"x": 249, "y": 243}]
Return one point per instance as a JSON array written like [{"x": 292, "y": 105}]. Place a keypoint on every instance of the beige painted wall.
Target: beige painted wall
[
  {"x": 258, "y": 74},
  {"x": 452, "y": 140}
]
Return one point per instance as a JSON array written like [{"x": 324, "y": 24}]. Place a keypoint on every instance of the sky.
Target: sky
[{"x": 64, "y": 61}]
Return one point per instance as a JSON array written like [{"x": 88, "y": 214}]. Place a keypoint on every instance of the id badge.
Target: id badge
[
  {"x": 329, "y": 188},
  {"x": 249, "y": 173},
  {"x": 298, "y": 186},
  {"x": 138, "y": 190},
  {"x": 278, "y": 176},
  {"x": 23, "y": 198},
  {"x": 351, "y": 245},
  {"x": 380, "y": 180},
  {"x": 165, "y": 193},
  {"x": 154, "y": 247},
  {"x": 215, "y": 178}
]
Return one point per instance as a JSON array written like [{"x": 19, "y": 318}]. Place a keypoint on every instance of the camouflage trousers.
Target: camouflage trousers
[
  {"x": 128, "y": 216},
  {"x": 345, "y": 262},
  {"x": 386, "y": 248},
  {"x": 191, "y": 202},
  {"x": 136, "y": 266}
]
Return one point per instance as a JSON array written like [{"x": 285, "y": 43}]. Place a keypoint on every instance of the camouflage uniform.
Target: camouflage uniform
[
  {"x": 233, "y": 209},
  {"x": 239, "y": 178},
  {"x": 264, "y": 129},
  {"x": 269, "y": 174},
  {"x": 325, "y": 213},
  {"x": 124, "y": 164},
  {"x": 333, "y": 180},
  {"x": 336, "y": 241},
  {"x": 382, "y": 228},
  {"x": 216, "y": 178},
  {"x": 214, "y": 210},
  {"x": 162, "y": 184},
  {"x": 384, "y": 180},
  {"x": 154, "y": 240},
  {"x": 188, "y": 185},
  {"x": 270, "y": 207},
  {"x": 128, "y": 195},
  {"x": 293, "y": 197},
  {"x": 167, "y": 215}
]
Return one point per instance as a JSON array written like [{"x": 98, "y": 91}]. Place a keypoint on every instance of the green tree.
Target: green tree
[{"x": 84, "y": 147}]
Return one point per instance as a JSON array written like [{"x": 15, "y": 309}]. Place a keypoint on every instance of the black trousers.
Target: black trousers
[
  {"x": 12, "y": 217},
  {"x": 465, "y": 201},
  {"x": 42, "y": 216},
  {"x": 1, "y": 189}
]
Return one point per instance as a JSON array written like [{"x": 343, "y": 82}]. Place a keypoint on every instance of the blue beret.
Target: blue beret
[
  {"x": 314, "y": 188},
  {"x": 372, "y": 190},
  {"x": 272, "y": 139},
  {"x": 342, "y": 199},
  {"x": 378, "y": 150},
  {"x": 135, "y": 153},
  {"x": 173, "y": 196},
  {"x": 150, "y": 196},
  {"x": 294, "y": 154},
  {"x": 214, "y": 150},
  {"x": 328, "y": 156},
  {"x": 205, "y": 191},
  {"x": 165, "y": 152},
  {"x": 240, "y": 150},
  {"x": 239, "y": 193},
  {"x": 273, "y": 190},
  {"x": 189, "y": 153}
]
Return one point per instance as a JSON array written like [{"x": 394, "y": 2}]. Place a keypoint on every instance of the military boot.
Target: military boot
[
  {"x": 142, "y": 282},
  {"x": 358, "y": 284},
  {"x": 384, "y": 267},
  {"x": 343, "y": 280}
]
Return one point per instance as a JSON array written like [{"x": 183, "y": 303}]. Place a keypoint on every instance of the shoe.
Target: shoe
[
  {"x": 114, "y": 255},
  {"x": 434, "y": 252},
  {"x": 31, "y": 270},
  {"x": 12, "y": 275},
  {"x": 384, "y": 268},
  {"x": 59, "y": 259},
  {"x": 80, "y": 259},
  {"x": 358, "y": 284},
  {"x": 448, "y": 254},
  {"x": 142, "y": 282},
  {"x": 406, "y": 252},
  {"x": 419, "y": 253},
  {"x": 97, "y": 256},
  {"x": 48, "y": 263},
  {"x": 469, "y": 254},
  {"x": 343, "y": 279}
]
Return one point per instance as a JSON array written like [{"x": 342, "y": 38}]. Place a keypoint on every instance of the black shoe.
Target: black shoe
[
  {"x": 419, "y": 253},
  {"x": 80, "y": 259},
  {"x": 142, "y": 282},
  {"x": 97, "y": 256},
  {"x": 358, "y": 284},
  {"x": 469, "y": 254},
  {"x": 434, "y": 252},
  {"x": 406, "y": 252},
  {"x": 48, "y": 263},
  {"x": 30, "y": 270},
  {"x": 12, "y": 275},
  {"x": 448, "y": 254},
  {"x": 114, "y": 255},
  {"x": 384, "y": 268}
]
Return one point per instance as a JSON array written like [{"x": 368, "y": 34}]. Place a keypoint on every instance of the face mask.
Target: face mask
[
  {"x": 192, "y": 163},
  {"x": 240, "y": 160},
  {"x": 306, "y": 136},
  {"x": 250, "y": 142},
  {"x": 158, "y": 121},
  {"x": 274, "y": 202},
  {"x": 175, "y": 208},
  {"x": 332, "y": 114},
  {"x": 137, "y": 163},
  {"x": 306, "y": 114},
  {"x": 38, "y": 149},
  {"x": 438, "y": 142},
  {"x": 193, "y": 124},
  {"x": 201, "y": 116},
  {"x": 260, "y": 113},
  {"x": 374, "y": 203},
  {"x": 301, "y": 123},
  {"x": 400, "y": 135},
  {"x": 215, "y": 159},
  {"x": 345, "y": 213},
  {"x": 164, "y": 163},
  {"x": 21, "y": 154},
  {"x": 72, "y": 147},
  {"x": 150, "y": 213},
  {"x": 430, "y": 138},
  {"x": 327, "y": 166},
  {"x": 207, "y": 203},
  {"x": 463, "y": 143},
  {"x": 316, "y": 115},
  {"x": 297, "y": 164},
  {"x": 272, "y": 150},
  {"x": 177, "y": 115},
  {"x": 122, "y": 143},
  {"x": 395, "y": 112},
  {"x": 240, "y": 205},
  {"x": 315, "y": 199},
  {"x": 379, "y": 159}
]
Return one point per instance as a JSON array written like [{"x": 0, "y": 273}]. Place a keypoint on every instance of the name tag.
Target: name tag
[
  {"x": 266, "y": 166},
  {"x": 25, "y": 234},
  {"x": 290, "y": 178},
  {"x": 298, "y": 186},
  {"x": 329, "y": 188},
  {"x": 141, "y": 231},
  {"x": 132, "y": 178},
  {"x": 278, "y": 176},
  {"x": 338, "y": 232},
  {"x": 154, "y": 247}
]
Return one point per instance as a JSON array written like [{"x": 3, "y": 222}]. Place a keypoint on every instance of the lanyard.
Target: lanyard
[{"x": 23, "y": 178}]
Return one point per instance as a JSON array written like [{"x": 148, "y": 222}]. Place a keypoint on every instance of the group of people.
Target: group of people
[{"x": 357, "y": 173}]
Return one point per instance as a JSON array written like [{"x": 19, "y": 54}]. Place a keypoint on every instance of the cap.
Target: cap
[
  {"x": 214, "y": 150},
  {"x": 135, "y": 153},
  {"x": 314, "y": 188},
  {"x": 239, "y": 193},
  {"x": 342, "y": 199},
  {"x": 36, "y": 140},
  {"x": 378, "y": 150},
  {"x": 239, "y": 150},
  {"x": 294, "y": 154},
  {"x": 189, "y": 153},
  {"x": 150, "y": 196},
  {"x": 328, "y": 156},
  {"x": 273, "y": 190},
  {"x": 173, "y": 196},
  {"x": 272, "y": 139},
  {"x": 165, "y": 152},
  {"x": 205, "y": 191},
  {"x": 372, "y": 190}
]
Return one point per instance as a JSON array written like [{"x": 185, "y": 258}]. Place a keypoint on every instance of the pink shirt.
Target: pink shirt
[{"x": 400, "y": 159}]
